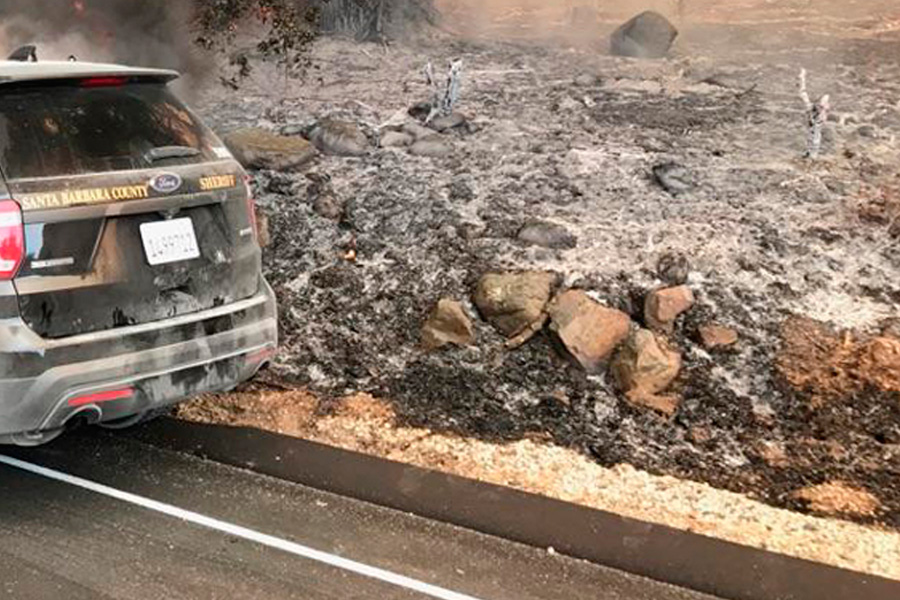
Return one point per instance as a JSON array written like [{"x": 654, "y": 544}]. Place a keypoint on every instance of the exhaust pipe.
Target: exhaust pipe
[{"x": 89, "y": 415}]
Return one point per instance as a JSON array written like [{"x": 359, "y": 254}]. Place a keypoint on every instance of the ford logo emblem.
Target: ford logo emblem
[{"x": 166, "y": 183}]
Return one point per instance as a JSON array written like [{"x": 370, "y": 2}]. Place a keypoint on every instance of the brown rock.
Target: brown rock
[
  {"x": 665, "y": 305},
  {"x": 881, "y": 360},
  {"x": 447, "y": 324},
  {"x": 838, "y": 498},
  {"x": 646, "y": 366},
  {"x": 513, "y": 301},
  {"x": 260, "y": 149},
  {"x": 716, "y": 336},
  {"x": 588, "y": 331}
]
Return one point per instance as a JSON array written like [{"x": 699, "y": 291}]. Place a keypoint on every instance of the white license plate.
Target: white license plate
[{"x": 169, "y": 241}]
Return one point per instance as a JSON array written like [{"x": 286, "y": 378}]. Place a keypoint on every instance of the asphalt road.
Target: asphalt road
[{"x": 95, "y": 516}]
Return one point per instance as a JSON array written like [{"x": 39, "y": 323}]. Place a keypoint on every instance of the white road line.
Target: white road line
[{"x": 242, "y": 532}]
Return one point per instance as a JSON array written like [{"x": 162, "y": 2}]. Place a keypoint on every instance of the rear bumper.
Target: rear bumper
[{"x": 43, "y": 383}]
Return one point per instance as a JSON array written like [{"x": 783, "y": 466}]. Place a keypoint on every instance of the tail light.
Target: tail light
[
  {"x": 251, "y": 207},
  {"x": 98, "y": 82},
  {"x": 12, "y": 239},
  {"x": 100, "y": 397}
]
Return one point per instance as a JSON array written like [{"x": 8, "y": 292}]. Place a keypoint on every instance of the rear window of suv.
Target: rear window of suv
[{"x": 59, "y": 130}]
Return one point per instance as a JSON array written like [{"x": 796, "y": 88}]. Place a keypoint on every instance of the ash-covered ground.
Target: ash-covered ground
[{"x": 363, "y": 247}]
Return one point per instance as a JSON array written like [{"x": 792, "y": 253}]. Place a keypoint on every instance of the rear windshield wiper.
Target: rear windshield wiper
[{"x": 164, "y": 152}]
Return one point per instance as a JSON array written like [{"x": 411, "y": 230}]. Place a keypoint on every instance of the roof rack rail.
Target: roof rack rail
[{"x": 25, "y": 54}]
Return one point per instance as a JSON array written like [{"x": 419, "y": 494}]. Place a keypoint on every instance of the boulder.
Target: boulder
[
  {"x": 648, "y": 35},
  {"x": 447, "y": 122},
  {"x": 716, "y": 336},
  {"x": 644, "y": 367},
  {"x": 588, "y": 331},
  {"x": 258, "y": 148},
  {"x": 431, "y": 148},
  {"x": 447, "y": 324},
  {"x": 396, "y": 139},
  {"x": 511, "y": 302},
  {"x": 547, "y": 235},
  {"x": 665, "y": 305},
  {"x": 339, "y": 138}
]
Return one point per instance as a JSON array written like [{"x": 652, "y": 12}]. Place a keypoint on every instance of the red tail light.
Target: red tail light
[
  {"x": 12, "y": 239},
  {"x": 95, "y": 82},
  {"x": 251, "y": 207},
  {"x": 109, "y": 396}
]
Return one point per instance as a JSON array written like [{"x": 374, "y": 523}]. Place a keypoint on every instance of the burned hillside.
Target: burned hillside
[{"x": 612, "y": 179}]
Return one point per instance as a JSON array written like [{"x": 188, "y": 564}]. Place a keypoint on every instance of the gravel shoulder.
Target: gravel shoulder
[{"x": 364, "y": 424}]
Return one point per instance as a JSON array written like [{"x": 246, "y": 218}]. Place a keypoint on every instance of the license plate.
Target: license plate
[{"x": 169, "y": 241}]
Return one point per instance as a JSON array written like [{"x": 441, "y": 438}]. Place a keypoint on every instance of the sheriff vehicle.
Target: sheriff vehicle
[{"x": 130, "y": 270}]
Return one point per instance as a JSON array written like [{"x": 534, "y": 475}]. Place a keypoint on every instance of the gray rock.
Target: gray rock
[
  {"x": 396, "y": 139},
  {"x": 339, "y": 138},
  {"x": 447, "y": 324},
  {"x": 648, "y": 35},
  {"x": 431, "y": 147},
  {"x": 419, "y": 132},
  {"x": 547, "y": 235},
  {"x": 867, "y": 131},
  {"x": 293, "y": 129},
  {"x": 673, "y": 178},
  {"x": 673, "y": 269},
  {"x": 261, "y": 149},
  {"x": 587, "y": 80},
  {"x": 448, "y": 122},
  {"x": 511, "y": 302}
]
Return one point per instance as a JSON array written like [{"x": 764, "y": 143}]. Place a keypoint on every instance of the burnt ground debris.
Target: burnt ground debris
[{"x": 767, "y": 235}]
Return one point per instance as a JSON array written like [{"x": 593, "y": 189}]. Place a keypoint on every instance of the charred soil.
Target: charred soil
[{"x": 798, "y": 257}]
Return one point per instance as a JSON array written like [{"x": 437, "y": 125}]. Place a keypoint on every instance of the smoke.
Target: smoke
[{"x": 153, "y": 33}]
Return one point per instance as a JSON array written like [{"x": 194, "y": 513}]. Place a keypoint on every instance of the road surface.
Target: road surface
[{"x": 95, "y": 516}]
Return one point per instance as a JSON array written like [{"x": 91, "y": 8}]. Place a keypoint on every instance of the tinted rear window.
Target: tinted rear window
[{"x": 71, "y": 130}]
